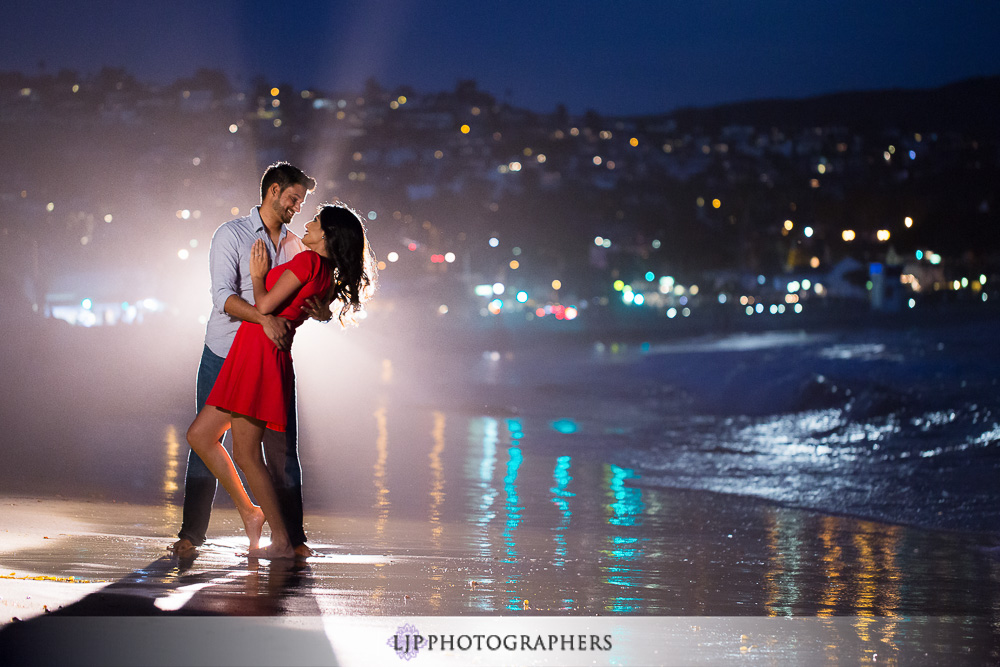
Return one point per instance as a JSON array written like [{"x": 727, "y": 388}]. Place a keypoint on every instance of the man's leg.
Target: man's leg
[
  {"x": 286, "y": 471},
  {"x": 199, "y": 482}
]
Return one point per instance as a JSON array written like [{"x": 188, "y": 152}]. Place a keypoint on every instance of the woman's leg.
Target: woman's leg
[
  {"x": 203, "y": 435},
  {"x": 249, "y": 454}
]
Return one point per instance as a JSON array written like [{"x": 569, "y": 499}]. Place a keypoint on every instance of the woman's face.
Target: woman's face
[{"x": 314, "y": 233}]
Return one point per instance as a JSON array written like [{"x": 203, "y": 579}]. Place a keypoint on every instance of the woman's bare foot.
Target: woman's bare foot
[
  {"x": 273, "y": 552},
  {"x": 253, "y": 523}
]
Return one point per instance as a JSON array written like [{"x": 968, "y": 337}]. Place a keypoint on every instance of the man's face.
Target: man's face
[{"x": 289, "y": 202}]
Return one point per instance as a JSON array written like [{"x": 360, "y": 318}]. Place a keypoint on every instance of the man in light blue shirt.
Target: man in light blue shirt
[{"x": 283, "y": 190}]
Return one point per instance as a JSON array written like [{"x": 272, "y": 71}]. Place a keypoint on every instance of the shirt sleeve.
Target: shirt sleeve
[
  {"x": 304, "y": 265},
  {"x": 223, "y": 265}
]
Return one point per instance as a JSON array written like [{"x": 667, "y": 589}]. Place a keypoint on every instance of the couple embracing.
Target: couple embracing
[{"x": 265, "y": 282}]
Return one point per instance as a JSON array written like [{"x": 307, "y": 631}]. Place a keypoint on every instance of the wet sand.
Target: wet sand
[{"x": 690, "y": 555}]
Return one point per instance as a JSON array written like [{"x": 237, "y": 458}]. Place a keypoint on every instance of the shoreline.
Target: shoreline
[
  {"x": 739, "y": 576},
  {"x": 84, "y": 546}
]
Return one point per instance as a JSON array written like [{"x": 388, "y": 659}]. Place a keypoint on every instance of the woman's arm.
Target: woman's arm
[
  {"x": 287, "y": 286},
  {"x": 288, "y": 283}
]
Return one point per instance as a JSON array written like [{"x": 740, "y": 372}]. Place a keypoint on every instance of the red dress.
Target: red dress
[{"x": 256, "y": 377}]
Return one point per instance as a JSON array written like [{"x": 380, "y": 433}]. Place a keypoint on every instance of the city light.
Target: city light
[{"x": 725, "y": 269}]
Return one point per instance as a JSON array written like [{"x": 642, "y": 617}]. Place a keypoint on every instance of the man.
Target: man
[{"x": 283, "y": 190}]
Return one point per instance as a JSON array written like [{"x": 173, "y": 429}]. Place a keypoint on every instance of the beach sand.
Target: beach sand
[{"x": 682, "y": 555}]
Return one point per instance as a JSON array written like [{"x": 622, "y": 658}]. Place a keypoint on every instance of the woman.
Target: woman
[{"x": 254, "y": 385}]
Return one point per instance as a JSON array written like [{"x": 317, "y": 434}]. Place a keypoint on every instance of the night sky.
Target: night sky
[{"x": 613, "y": 57}]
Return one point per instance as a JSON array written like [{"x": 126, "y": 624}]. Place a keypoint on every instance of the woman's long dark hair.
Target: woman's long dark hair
[{"x": 351, "y": 260}]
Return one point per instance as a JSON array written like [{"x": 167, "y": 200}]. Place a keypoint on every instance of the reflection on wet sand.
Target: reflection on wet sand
[
  {"x": 540, "y": 526},
  {"x": 171, "y": 473},
  {"x": 382, "y": 491}
]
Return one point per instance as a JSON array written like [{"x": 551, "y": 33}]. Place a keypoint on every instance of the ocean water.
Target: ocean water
[{"x": 896, "y": 425}]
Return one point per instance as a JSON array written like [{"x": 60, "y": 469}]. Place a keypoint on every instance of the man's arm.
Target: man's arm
[{"x": 276, "y": 328}]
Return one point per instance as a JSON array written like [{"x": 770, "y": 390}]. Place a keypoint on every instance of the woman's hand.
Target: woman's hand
[{"x": 260, "y": 262}]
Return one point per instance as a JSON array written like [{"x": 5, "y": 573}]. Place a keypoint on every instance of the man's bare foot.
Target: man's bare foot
[
  {"x": 303, "y": 551},
  {"x": 273, "y": 552},
  {"x": 184, "y": 548},
  {"x": 253, "y": 523}
]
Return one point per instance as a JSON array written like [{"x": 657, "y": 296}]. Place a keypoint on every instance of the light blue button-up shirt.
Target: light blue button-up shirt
[{"x": 229, "y": 265}]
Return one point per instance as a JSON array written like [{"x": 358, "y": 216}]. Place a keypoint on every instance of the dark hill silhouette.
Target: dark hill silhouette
[{"x": 967, "y": 107}]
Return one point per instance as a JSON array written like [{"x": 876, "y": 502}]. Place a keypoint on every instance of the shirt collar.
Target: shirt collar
[{"x": 258, "y": 224}]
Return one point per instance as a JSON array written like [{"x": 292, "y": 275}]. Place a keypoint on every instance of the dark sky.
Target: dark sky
[{"x": 613, "y": 57}]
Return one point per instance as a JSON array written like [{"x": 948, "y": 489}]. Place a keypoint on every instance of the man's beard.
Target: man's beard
[{"x": 282, "y": 213}]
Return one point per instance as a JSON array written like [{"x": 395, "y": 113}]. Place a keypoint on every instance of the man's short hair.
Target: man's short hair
[{"x": 285, "y": 174}]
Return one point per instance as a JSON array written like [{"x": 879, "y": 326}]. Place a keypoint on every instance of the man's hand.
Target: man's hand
[
  {"x": 278, "y": 330},
  {"x": 318, "y": 309}
]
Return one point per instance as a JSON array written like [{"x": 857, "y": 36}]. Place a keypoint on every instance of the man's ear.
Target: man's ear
[{"x": 274, "y": 191}]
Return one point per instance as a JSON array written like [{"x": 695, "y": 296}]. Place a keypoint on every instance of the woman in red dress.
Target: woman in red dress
[{"x": 254, "y": 386}]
